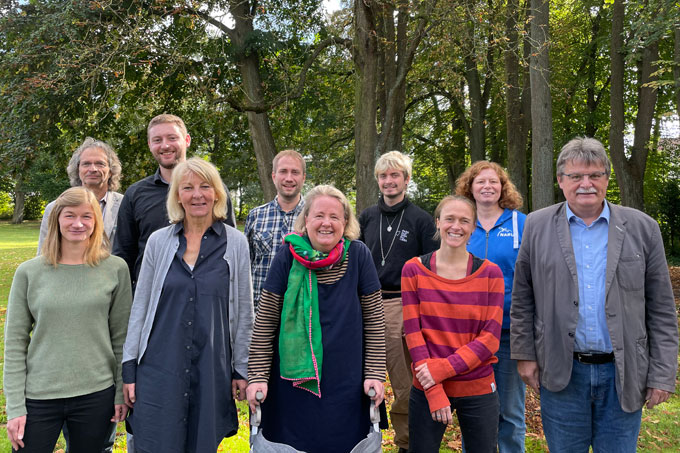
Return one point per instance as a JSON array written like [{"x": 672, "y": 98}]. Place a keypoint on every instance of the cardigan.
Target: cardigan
[
  {"x": 65, "y": 331},
  {"x": 158, "y": 255}
]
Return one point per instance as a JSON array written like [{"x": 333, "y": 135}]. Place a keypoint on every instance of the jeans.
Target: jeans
[
  {"x": 87, "y": 417},
  {"x": 477, "y": 417},
  {"x": 511, "y": 388},
  {"x": 587, "y": 413}
]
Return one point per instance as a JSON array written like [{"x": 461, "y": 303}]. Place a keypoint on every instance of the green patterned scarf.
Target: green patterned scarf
[{"x": 300, "y": 346}]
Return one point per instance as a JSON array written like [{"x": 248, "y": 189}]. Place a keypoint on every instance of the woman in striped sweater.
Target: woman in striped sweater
[{"x": 453, "y": 310}]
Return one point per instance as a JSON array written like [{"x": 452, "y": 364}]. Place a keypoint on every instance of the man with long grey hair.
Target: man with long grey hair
[{"x": 95, "y": 165}]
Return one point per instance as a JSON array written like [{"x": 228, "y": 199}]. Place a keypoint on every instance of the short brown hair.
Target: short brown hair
[
  {"x": 289, "y": 153},
  {"x": 510, "y": 196},
  {"x": 98, "y": 246},
  {"x": 167, "y": 118}
]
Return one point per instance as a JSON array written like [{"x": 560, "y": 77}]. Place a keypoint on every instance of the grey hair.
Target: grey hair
[
  {"x": 111, "y": 156},
  {"x": 586, "y": 150}
]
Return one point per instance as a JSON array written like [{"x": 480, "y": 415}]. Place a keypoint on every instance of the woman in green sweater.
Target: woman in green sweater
[{"x": 66, "y": 324}]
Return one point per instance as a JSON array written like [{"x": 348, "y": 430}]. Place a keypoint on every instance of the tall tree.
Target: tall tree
[{"x": 542, "y": 176}]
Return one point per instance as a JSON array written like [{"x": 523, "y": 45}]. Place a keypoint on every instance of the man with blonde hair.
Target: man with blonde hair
[
  {"x": 143, "y": 209},
  {"x": 395, "y": 230},
  {"x": 266, "y": 225}
]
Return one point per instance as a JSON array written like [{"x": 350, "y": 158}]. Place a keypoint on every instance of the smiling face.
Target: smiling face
[
  {"x": 455, "y": 224},
  {"x": 486, "y": 187},
  {"x": 168, "y": 145},
  {"x": 585, "y": 197},
  {"x": 93, "y": 169},
  {"x": 196, "y": 196},
  {"x": 392, "y": 184},
  {"x": 76, "y": 223},
  {"x": 325, "y": 223},
  {"x": 288, "y": 177}
]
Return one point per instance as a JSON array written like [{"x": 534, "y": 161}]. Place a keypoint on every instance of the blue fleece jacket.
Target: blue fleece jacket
[{"x": 500, "y": 246}]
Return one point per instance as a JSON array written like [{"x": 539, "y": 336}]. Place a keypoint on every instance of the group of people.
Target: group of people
[{"x": 154, "y": 309}]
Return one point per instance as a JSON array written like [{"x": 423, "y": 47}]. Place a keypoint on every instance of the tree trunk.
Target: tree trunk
[
  {"x": 676, "y": 68},
  {"x": 477, "y": 110},
  {"x": 365, "y": 104},
  {"x": 516, "y": 117},
  {"x": 258, "y": 123},
  {"x": 19, "y": 201},
  {"x": 630, "y": 171},
  {"x": 542, "y": 177}
]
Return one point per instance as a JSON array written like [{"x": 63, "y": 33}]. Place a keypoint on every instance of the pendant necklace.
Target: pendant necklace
[
  {"x": 389, "y": 224},
  {"x": 389, "y": 228}
]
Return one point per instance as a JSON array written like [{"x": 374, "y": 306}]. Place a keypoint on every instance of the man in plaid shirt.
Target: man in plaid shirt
[{"x": 266, "y": 225}]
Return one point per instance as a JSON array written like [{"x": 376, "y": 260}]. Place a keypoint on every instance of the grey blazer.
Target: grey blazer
[
  {"x": 113, "y": 200},
  {"x": 640, "y": 307}
]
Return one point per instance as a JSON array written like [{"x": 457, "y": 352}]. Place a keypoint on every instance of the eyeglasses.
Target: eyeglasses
[{"x": 578, "y": 177}]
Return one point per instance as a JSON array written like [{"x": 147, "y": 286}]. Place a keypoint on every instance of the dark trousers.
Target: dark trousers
[
  {"x": 477, "y": 417},
  {"x": 87, "y": 417},
  {"x": 108, "y": 444}
]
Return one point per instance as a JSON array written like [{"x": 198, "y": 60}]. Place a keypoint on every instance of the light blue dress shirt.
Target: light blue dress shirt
[{"x": 590, "y": 252}]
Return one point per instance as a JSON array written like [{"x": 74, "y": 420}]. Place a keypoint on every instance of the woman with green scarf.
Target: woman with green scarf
[{"x": 318, "y": 343}]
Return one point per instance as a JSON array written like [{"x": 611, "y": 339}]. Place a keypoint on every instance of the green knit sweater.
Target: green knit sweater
[{"x": 65, "y": 331}]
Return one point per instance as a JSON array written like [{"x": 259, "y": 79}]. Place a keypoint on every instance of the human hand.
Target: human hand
[
  {"x": 424, "y": 376},
  {"x": 528, "y": 371},
  {"x": 656, "y": 396},
  {"x": 378, "y": 387},
  {"x": 129, "y": 395},
  {"x": 238, "y": 389},
  {"x": 119, "y": 412},
  {"x": 443, "y": 415},
  {"x": 251, "y": 394},
  {"x": 15, "y": 431}
]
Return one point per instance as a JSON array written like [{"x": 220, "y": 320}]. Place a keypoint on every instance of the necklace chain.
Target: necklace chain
[{"x": 382, "y": 253}]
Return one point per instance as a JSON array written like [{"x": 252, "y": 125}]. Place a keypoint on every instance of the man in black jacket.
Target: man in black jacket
[{"x": 395, "y": 230}]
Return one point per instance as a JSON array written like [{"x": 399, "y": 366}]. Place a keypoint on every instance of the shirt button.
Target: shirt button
[
  {"x": 191, "y": 299},
  {"x": 201, "y": 256},
  {"x": 186, "y": 370},
  {"x": 189, "y": 323},
  {"x": 186, "y": 394},
  {"x": 576, "y": 302},
  {"x": 571, "y": 334},
  {"x": 205, "y": 237},
  {"x": 188, "y": 347}
]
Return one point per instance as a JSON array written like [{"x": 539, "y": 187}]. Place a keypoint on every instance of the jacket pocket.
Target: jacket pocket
[
  {"x": 642, "y": 363},
  {"x": 631, "y": 272}
]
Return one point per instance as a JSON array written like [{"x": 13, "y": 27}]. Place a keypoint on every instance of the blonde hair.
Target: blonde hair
[
  {"x": 446, "y": 200},
  {"x": 98, "y": 247},
  {"x": 510, "y": 196},
  {"x": 167, "y": 118},
  {"x": 208, "y": 173},
  {"x": 351, "y": 226},
  {"x": 396, "y": 160}
]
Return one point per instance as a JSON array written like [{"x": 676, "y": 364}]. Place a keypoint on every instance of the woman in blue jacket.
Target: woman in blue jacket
[{"x": 497, "y": 238}]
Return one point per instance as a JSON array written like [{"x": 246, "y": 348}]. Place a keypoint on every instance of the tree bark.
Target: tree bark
[
  {"x": 258, "y": 123},
  {"x": 542, "y": 177},
  {"x": 630, "y": 171},
  {"x": 365, "y": 104},
  {"x": 19, "y": 201},
  {"x": 676, "y": 68},
  {"x": 477, "y": 110},
  {"x": 515, "y": 114}
]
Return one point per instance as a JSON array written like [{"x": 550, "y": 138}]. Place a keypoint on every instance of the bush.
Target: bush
[{"x": 6, "y": 206}]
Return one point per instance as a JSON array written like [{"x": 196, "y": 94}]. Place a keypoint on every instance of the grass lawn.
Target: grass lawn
[{"x": 660, "y": 427}]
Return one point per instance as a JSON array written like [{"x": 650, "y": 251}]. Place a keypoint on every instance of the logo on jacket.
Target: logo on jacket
[
  {"x": 403, "y": 235},
  {"x": 504, "y": 232}
]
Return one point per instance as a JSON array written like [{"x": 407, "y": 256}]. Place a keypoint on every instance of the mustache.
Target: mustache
[{"x": 586, "y": 191}]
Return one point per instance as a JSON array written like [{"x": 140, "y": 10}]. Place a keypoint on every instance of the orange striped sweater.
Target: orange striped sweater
[{"x": 454, "y": 326}]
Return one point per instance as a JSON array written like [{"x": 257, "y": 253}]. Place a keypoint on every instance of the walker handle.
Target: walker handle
[{"x": 373, "y": 411}]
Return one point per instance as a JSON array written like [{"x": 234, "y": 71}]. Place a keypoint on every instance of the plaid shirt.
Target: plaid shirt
[{"x": 265, "y": 228}]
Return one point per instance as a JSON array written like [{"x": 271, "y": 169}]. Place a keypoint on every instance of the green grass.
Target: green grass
[{"x": 660, "y": 429}]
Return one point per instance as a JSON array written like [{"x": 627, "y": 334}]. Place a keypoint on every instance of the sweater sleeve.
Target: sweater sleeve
[
  {"x": 244, "y": 305},
  {"x": 267, "y": 321},
  {"x": 119, "y": 314},
  {"x": 374, "y": 336},
  {"x": 17, "y": 338}
]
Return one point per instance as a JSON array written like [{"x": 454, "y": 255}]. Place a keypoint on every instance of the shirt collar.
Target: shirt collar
[
  {"x": 158, "y": 179},
  {"x": 216, "y": 228},
  {"x": 603, "y": 215},
  {"x": 295, "y": 209}
]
